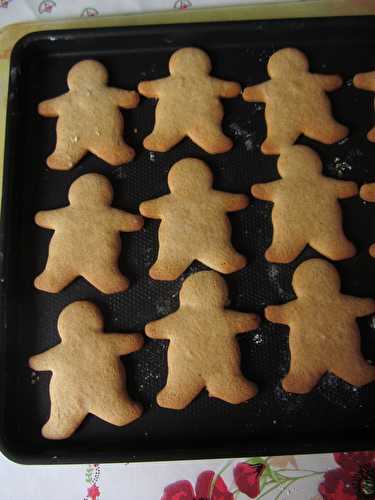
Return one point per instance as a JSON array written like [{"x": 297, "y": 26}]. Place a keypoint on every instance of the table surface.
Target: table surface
[{"x": 340, "y": 476}]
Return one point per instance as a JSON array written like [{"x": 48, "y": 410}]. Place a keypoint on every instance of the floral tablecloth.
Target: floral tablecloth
[{"x": 338, "y": 476}]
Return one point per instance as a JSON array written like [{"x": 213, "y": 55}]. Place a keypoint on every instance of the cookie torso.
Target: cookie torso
[
  {"x": 190, "y": 219},
  {"x": 196, "y": 96},
  {"x": 300, "y": 96},
  {"x": 83, "y": 108}
]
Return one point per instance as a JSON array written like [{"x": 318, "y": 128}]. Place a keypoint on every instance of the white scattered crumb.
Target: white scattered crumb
[
  {"x": 340, "y": 166},
  {"x": 152, "y": 156},
  {"x": 246, "y": 136},
  {"x": 343, "y": 141},
  {"x": 257, "y": 338}
]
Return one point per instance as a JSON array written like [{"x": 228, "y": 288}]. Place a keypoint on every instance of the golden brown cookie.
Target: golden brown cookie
[
  {"x": 86, "y": 241},
  {"x": 203, "y": 351},
  {"x": 306, "y": 208},
  {"x": 366, "y": 81},
  {"x": 296, "y": 102},
  {"x": 189, "y": 104},
  {"x": 87, "y": 374},
  {"x": 324, "y": 334},
  {"x": 89, "y": 118},
  {"x": 367, "y": 193},
  {"x": 194, "y": 224}
]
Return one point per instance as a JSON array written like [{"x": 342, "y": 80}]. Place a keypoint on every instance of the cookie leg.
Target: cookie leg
[
  {"x": 231, "y": 388},
  {"x": 106, "y": 280},
  {"x": 371, "y": 135},
  {"x": 210, "y": 138},
  {"x": 372, "y": 250},
  {"x": 64, "y": 158},
  {"x": 223, "y": 260},
  {"x": 182, "y": 387},
  {"x": 118, "y": 411},
  {"x": 63, "y": 421},
  {"x": 169, "y": 266},
  {"x": 330, "y": 133},
  {"x": 302, "y": 378},
  {"x": 335, "y": 246},
  {"x": 277, "y": 138},
  {"x": 285, "y": 247},
  {"x": 163, "y": 137},
  {"x": 355, "y": 371},
  {"x": 55, "y": 277},
  {"x": 113, "y": 152}
]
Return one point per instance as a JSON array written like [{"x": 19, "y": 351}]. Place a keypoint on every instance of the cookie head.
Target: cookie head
[
  {"x": 91, "y": 190},
  {"x": 204, "y": 289},
  {"x": 298, "y": 161},
  {"x": 189, "y": 176},
  {"x": 316, "y": 277},
  {"x": 87, "y": 74},
  {"x": 189, "y": 61},
  {"x": 78, "y": 319},
  {"x": 286, "y": 61}
]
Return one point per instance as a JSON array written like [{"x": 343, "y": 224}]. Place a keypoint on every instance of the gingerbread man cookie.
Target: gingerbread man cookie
[
  {"x": 86, "y": 241},
  {"x": 324, "y": 334},
  {"x": 194, "y": 224},
  {"x": 189, "y": 104},
  {"x": 367, "y": 193},
  {"x": 203, "y": 351},
  {"x": 89, "y": 118},
  {"x": 296, "y": 102},
  {"x": 87, "y": 374},
  {"x": 366, "y": 81},
  {"x": 306, "y": 208}
]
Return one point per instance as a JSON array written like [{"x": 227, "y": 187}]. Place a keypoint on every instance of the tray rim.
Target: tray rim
[{"x": 304, "y": 445}]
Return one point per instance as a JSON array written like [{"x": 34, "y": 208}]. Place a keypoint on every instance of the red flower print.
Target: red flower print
[
  {"x": 46, "y": 6},
  {"x": 247, "y": 478},
  {"x": 93, "y": 492},
  {"x": 182, "y": 4},
  {"x": 89, "y": 12},
  {"x": 183, "y": 490},
  {"x": 353, "y": 480}
]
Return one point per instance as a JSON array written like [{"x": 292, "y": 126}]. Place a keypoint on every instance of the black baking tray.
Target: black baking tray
[{"x": 334, "y": 416}]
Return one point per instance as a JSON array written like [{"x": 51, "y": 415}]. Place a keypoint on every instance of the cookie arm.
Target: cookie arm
[
  {"x": 150, "y": 88},
  {"x": 153, "y": 209},
  {"x": 233, "y": 202},
  {"x": 43, "y": 362},
  {"x": 329, "y": 82},
  {"x": 124, "y": 343},
  {"x": 344, "y": 189},
  {"x": 226, "y": 89},
  {"x": 50, "y": 107},
  {"x": 48, "y": 218},
  {"x": 125, "y": 98},
  {"x": 126, "y": 222},
  {"x": 365, "y": 81},
  {"x": 162, "y": 329},
  {"x": 367, "y": 192},
  {"x": 255, "y": 93},
  {"x": 240, "y": 322},
  {"x": 361, "y": 307},
  {"x": 265, "y": 191},
  {"x": 279, "y": 314}
]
